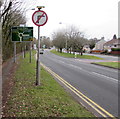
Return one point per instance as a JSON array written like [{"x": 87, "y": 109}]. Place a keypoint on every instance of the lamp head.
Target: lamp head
[{"x": 40, "y": 7}]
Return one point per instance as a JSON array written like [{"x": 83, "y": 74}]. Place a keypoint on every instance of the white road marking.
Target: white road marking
[
  {"x": 100, "y": 67},
  {"x": 75, "y": 66},
  {"x": 108, "y": 78},
  {"x": 95, "y": 73}
]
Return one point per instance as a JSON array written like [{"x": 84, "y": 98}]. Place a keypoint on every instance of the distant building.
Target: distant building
[
  {"x": 99, "y": 44},
  {"x": 114, "y": 43},
  {"x": 86, "y": 48}
]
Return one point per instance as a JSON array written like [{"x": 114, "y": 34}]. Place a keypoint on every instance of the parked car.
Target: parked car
[{"x": 41, "y": 51}]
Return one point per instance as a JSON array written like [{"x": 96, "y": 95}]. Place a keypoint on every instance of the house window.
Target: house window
[{"x": 115, "y": 45}]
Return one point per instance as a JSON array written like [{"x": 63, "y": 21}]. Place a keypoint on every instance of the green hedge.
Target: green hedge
[{"x": 115, "y": 49}]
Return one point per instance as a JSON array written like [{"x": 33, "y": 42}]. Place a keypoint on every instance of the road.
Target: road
[{"x": 98, "y": 83}]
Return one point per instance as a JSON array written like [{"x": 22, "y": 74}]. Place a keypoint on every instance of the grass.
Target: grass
[
  {"x": 47, "y": 100},
  {"x": 110, "y": 64},
  {"x": 73, "y": 56}
]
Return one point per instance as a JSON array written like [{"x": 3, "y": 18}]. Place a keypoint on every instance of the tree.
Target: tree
[
  {"x": 59, "y": 40},
  {"x": 46, "y": 42},
  {"x": 12, "y": 15},
  {"x": 71, "y": 38},
  {"x": 92, "y": 43},
  {"x": 75, "y": 39}
]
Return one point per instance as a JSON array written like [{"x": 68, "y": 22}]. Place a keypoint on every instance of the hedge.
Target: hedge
[{"x": 115, "y": 49}]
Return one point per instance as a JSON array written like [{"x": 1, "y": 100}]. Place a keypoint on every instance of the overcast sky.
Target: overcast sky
[{"x": 96, "y": 18}]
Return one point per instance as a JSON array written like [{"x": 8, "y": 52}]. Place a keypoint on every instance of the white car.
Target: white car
[{"x": 41, "y": 51}]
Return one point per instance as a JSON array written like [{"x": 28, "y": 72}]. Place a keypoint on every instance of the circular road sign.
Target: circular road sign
[{"x": 39, "y": 18}]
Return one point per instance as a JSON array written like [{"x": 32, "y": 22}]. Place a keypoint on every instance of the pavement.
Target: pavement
[{"x": 8, "y": 69}]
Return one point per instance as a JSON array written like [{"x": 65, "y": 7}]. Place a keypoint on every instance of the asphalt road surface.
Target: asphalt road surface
[{"x": 96, "y": 82}]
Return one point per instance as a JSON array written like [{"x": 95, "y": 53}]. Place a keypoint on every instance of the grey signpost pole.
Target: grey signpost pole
[
  {"x": 38, "y": 59},
  {"x": 14, "y": 52},
  {"x": 30, "y": 51},
  {"x": 39, "y": 18},
  {"x": 24, "y": 50}
]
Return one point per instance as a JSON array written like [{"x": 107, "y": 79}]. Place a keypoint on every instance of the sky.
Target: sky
[{"x": 96, "y": 18}]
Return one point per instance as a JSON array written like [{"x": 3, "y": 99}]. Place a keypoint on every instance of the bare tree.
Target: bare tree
[
  {"x": 71, "y": 38},
  {"x": 46, "y": 42},
  {"x": 59, "y": 40},
  {"x": 12, "y": 15},
  {"x": 75, "y": 39}
]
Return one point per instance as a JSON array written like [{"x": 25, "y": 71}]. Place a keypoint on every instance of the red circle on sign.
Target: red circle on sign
[{"x": 39, "y": 18}]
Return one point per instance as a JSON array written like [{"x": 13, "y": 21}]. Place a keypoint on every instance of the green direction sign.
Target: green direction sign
[{"x": 20, "y": 34}]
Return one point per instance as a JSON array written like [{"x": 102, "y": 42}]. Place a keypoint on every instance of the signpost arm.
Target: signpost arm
[{"x": 38, "y": 60}]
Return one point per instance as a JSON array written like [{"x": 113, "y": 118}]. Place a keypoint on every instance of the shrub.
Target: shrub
[{"x": 115, "y": 49}]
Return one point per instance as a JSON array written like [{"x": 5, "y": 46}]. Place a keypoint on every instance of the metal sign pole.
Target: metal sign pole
[
  {"x": 30, "y": 52},
  {"x": 14, "y": 52},
  {"x": 24, "y": 50},
  {"x": 38, "y": 60},
  {"x": 39, "y": 18}
]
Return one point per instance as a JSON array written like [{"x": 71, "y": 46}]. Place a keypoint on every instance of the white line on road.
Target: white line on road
[
  {"x": 88, "y": 72},
  {"x": 108, "y": 78},
  {"x": 75, "y": 66},
  {"x": 96, "y": 66},
  {"x": 61, "y": 61}
]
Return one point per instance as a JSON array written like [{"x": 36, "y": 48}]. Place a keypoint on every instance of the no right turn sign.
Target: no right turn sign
[{"x": 39, "y": 18}]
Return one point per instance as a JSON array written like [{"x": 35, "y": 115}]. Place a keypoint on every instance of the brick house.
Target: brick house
[{"x": 114, "y": 43}]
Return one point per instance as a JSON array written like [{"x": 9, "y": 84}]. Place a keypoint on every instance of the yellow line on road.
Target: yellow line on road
[{"x": 91, "y": 103}]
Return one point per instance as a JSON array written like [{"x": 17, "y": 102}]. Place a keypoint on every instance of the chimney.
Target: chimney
[{"x": 114, "y": 37}]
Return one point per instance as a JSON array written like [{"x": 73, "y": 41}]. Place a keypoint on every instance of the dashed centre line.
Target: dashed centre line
[{"x": 109, "y": 78}]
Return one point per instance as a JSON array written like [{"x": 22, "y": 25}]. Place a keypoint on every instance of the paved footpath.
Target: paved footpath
[{"x": 8, "y": 69}]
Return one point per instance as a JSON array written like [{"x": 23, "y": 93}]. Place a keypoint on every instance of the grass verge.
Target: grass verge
[
  {"x": 110, "y": 64},
  {"x": 47, "y": 100},
  {"x": 78, "y": 56}
]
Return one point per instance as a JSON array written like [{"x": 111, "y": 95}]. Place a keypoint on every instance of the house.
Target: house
[
  {"x": 114, "y": 43},
  {"x": 99, "y": 44},
  {"x": 86, "y": 48}
]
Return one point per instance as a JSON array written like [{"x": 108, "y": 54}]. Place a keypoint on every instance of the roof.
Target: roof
[{"x": 113, "y": 41}]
